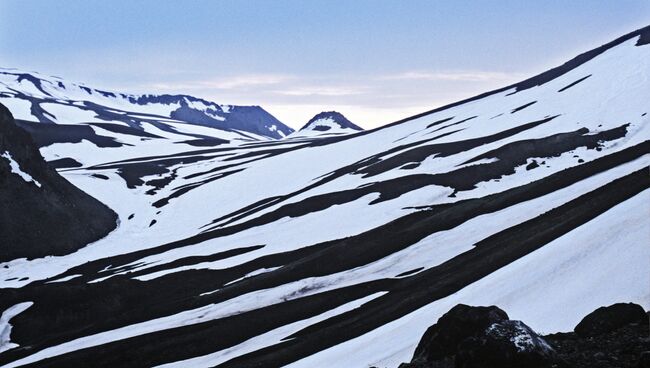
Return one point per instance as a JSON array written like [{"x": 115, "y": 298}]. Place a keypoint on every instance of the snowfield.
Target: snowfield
[{"x": 336, "y": 249}]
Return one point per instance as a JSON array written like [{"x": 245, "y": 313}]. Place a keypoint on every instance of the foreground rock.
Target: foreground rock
[
  {"x": 484, "y": 337},
  {"x": 613, "y": 336},
  {"x": 461, "y": 322},
  {"x": 607, "y": 319},
  {"x": 506, "y": 344},
  {"x": 481, "y": 337},
  {"x": 41, "y": 213}
]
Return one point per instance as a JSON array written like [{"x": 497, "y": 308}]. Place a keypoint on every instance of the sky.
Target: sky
[{"x": 375, "y": 61}]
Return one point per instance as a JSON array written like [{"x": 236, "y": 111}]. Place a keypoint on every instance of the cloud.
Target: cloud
[
  {"x": 228, "y": 83},
  {"x": 320, "y": 91},
  {"x": 459, "y": 76}
]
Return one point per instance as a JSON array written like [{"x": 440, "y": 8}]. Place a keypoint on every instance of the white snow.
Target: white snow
[
  {"x": 184, "y": 319},
  {"x": 64, "y": 279},
  {"x": 20, "y": 109},
  {"x": 15, "y": 168},
  {"x": 69, "y": 114},
  {"x": 547, "y": 296},
  {"x": 5, "y": 326}
]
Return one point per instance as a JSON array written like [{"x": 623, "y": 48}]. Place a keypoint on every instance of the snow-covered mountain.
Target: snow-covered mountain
[
  {"x": 327, "y": 123},
  {"x": 341, "y": 251},
  {"x": 38, "y": 98}
]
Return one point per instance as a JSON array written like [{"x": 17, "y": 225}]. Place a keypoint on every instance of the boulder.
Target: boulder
[
  {"x": 462, "y": 321},
  {"x": 606, "y": 319},
  {"x": 506, "y": 344}
]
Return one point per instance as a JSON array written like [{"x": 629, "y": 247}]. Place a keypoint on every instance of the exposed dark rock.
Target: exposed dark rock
[
  {"x": 456, "y": 123},
  {"x": 205, "y": 142},
  {"x": 47, "y": 134},
  {"x": 410, "y": 166},
  {"x": 480, "y": 337},
  {"x": 620, "y": 348},
  {"x": 573, "y": 84},
  {"x": 437, "y": 122},
  {"x": 522, "y": 107},
  {"x": 644, "y": 360},
  {"x": 443, "y": 363},
  {"x": 64, "y": 163},
  {"x": 532, "y": 165},
  {"x": 51, "y": 218},
  {"x": 505, "y": 344},
  {"x": 322, "y": 128},
  {"x": 461, "y": 322},
  {"x": 410, "y": 272},
  {"x": 99, "y": 176},
  {"x": 644, "y": 37},
  {"x": 606, "y": 319}
]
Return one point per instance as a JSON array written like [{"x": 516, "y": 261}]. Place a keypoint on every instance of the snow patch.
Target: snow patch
[
  {"x": 15, "y": 168},
  {"x": 5, "y": 326}
]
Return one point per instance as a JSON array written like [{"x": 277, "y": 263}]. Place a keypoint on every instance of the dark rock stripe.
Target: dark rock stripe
[
  {"x": 437, "y": 122},
  {"x": 522, "y": 107},
  {"x": 414, "y": 292},
  {"x": 510, "y": 156},
  {"x": 405, "y": 295},
  {"x": 375, "y": 165},
  {"x": 573, "y": 84},
  {"x": 317, "y": 260}
]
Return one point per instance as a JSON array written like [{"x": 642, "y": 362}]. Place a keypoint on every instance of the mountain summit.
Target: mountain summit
[{"x": 328, "y": 122}]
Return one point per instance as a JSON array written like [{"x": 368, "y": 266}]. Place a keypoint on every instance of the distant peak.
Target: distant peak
[{"x": 327, "y": 120}]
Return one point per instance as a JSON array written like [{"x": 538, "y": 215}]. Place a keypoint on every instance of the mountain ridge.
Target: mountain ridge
[{"x": 56, "y": 94}]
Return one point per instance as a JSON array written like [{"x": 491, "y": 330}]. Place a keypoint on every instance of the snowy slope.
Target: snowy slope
[
  {"x": 327, "y": 123},
  {"x": 342, "y": 250}
]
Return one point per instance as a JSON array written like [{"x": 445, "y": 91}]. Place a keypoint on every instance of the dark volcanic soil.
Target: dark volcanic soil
[
  {"x": 620, "y": 348},
  {"x": 54, "y": 218}
]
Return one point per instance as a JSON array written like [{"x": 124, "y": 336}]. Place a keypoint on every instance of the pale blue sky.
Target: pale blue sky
[{"x": 375, "y": 61}]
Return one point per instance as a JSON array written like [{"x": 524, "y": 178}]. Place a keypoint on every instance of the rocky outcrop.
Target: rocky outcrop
[
  {"x": 480, "y": 337},
  {"x": 484, "y": 337},
  {"x": 505, "y": 344},
  {"x": 613, "y": 317},
  {"x": 41, "y": 213},
  {"x": 461, "y": 322}
]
